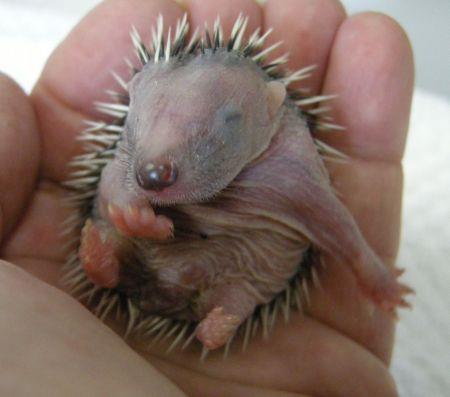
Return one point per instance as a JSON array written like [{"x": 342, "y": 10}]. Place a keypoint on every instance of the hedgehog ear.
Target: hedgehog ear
[
  {"x": 134, "y": 82},
  {"x": 276, "y": 94}
]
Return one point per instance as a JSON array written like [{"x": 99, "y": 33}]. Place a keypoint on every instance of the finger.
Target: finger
[
  {"x": 38, "y": 234},
  {"x": 36, "y": 318},
  {"x": 79, "y": 71},
  {"x": 300, "y": 357},
  {"x": 189, "y": 381},
  {"x": 207, "y": 11},
  {"x": 307, "y": 29},
  {"x": 372, "y": 190},
  {"x": 19, "y": 153},
  {"x": 371, "y": 68}
]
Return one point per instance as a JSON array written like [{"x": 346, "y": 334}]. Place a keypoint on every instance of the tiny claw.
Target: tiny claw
[
  {"x": 398, "y": 272},
  {"x": 171, "y": 233},
  {"x": 388, "y": 293},
  {"x": 395, "y": 299},
  {"x": 405, "y": 290},
  {"x": 404, "y": 303},
  {"x": 113, "y": 210},
  {"x": 133, "y": 211}
]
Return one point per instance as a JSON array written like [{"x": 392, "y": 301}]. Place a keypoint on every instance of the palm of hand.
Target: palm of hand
[{"x": 366, "y": 59}]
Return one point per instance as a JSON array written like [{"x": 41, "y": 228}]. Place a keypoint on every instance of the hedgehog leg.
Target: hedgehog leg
[
  {"x": 98, "y": 255},
  {"x": 130, "y": 213},
  {"x": 307, "y": 202},
  {"x": 331, "y": 227},
  {"x": 228, "y": 307}
]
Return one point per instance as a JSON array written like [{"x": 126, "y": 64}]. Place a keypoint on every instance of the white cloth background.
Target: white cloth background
[{"x": 29, "y": 30}]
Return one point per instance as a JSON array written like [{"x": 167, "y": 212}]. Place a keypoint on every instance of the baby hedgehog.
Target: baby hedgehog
[{"x": 203, "y": 197}]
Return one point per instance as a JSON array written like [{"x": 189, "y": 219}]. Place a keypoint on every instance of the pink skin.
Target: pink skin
[
  {"x": 131, "y": 217},
  {"x": 98, "y": 251},
  {"x": 98, "y": 256},
  {"x": 316, "y": 210},
  {"x": 312, "y": 204},
  {"x": 284, "y": 180},
  {"x": 229, "y": 305},
  {"x": 130, "y": 214},
  {"x": 217, "y": 327},
  {"x": 312, "y": 207},
  {"x": 135, "y": 221}
]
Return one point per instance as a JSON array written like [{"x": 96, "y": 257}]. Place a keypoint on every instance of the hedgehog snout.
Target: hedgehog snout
[{"x": 156, "y": 175}]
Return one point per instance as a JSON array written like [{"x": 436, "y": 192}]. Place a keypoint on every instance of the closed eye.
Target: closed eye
[{"x": 233, "y": 117}]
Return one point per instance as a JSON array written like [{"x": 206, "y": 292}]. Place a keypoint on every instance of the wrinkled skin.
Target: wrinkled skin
[
  {"x": 231, "y": 162},
  {"x": 340, "y": 326}
]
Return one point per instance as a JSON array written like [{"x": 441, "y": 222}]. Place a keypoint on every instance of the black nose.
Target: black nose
[{"x": 154, "y": 176}]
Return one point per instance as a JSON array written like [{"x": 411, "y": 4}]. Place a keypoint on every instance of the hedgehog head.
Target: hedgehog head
[
  {"x": 194, "y": 124},
  {"x": 196, "y": 111}
]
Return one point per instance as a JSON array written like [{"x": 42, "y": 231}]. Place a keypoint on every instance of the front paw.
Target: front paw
[
  {"x": 140, "y": 221},
  {"x": 98, "y": 255}
]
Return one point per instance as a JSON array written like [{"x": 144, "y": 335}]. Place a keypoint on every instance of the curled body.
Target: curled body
[{"x": 214, "y": 196}]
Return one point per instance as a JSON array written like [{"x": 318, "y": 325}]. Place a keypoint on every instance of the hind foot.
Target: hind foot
[
  {"x": 137, "y": 221},
  {"x": 383, "y": 287},
  {"x": 218, "y": 326},
  {"x": 227, "y": 306},
  {"x": 389, "y": 293},
  {"x": 98, "y": 256}
]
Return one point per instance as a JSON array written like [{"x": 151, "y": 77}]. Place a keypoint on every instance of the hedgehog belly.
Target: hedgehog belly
[{"x": 213, "y": 248}]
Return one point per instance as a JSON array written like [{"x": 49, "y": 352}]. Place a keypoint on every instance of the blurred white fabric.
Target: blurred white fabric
[
  {"x": 421, "y": 362},
  {"x": 422, "y": 356}
]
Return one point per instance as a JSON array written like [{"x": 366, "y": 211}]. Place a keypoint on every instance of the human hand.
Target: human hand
[{"x": 342, "y": 345}]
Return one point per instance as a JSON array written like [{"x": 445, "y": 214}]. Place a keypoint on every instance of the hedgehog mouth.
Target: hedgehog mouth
[
  {"x": 167, "y": 197},
  {"x": 171, "y": 195},
  {"x": 179, "y": 194}
]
